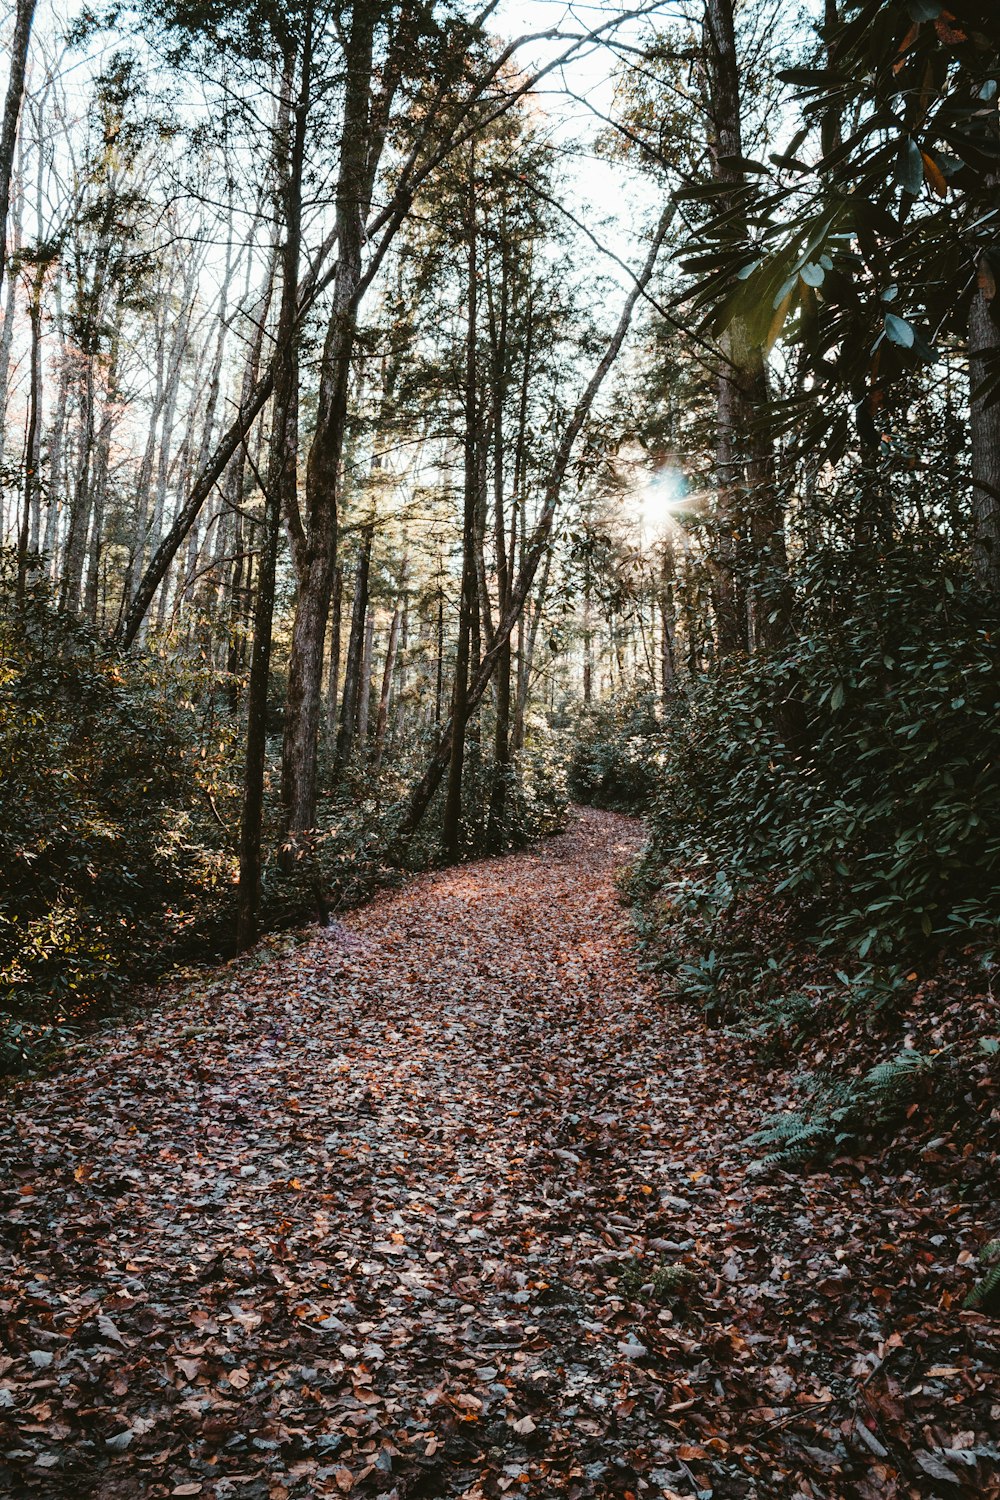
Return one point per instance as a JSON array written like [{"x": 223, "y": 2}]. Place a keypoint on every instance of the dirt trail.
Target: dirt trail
[{"x": 373, "y": 1218}]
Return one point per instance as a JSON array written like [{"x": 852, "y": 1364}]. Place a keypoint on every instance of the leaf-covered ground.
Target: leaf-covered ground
[{"x": 451, "y": 1201}]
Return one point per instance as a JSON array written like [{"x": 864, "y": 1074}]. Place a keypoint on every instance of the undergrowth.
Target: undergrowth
[
  {"x": 823, "y": 869},
  {"x": 120, "y": 803}
]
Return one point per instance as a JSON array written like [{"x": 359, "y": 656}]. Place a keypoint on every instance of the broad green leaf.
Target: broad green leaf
[
  {"x": 898, "y": 331},
  {"x": 910, "y": 167}
]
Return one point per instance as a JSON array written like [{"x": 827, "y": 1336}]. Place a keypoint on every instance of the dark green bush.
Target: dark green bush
[
  {"x": 875, "y": 835},
  {"x": 615, "y": 754},
  {"x": 111, "y": 852}
]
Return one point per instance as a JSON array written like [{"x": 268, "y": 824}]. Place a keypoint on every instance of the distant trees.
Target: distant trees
[
  {"x": 311, "y": 387},
  {"x": 240, "y": 354}
]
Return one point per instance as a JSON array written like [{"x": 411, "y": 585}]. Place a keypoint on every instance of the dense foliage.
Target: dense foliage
[
  {"x": 110, "y": 839},
  {"x": 807, "y": 887},
  {"x": 613, "y": 762},
  {"x": 118, "y": 808},
  {"x": 880, "y": 823}
]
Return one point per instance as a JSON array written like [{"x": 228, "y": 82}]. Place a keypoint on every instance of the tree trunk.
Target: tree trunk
[
  {"x": 984, "y": 434},
  {"x": 355, "y": 649},
  {"x": 6, "y": 341},
  {"x": 439, "y": 663},
  {"x": 747, "y": 490},
  {"x": 501, "y": 732},
  {"x": 588, "y": 637},
  {"x": 333, "y": 677},
  {"x": 24, "y": 16},
  {"x": 382, "y": 722},
  {"x": 451, "y": 828},
  {"x": 33, "y": 444},
  {"x": 281, "y": 482},
  {"x": 101, "y": 467},
  {"x": 365, "y": 686},
  {"x": 319, "y": 548},
  {"x": 79, "y": 519},
  {"x": 668, "y": 629}
]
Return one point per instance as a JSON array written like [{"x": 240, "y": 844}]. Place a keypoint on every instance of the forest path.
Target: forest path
[{"x": 365, "y": 1219}]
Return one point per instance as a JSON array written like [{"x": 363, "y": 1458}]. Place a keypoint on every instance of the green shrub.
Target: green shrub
[
  {"x": 615, "y": 754},
  {"x": 111, "y": 853},
  {"x": 876, "y": 834}
]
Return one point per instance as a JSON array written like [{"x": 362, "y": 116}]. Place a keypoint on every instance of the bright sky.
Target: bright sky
[{"x": 611, "y": 200}]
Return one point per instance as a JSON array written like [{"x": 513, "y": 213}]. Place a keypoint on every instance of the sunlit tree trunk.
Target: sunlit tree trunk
[{"x": 280, "y": 483}]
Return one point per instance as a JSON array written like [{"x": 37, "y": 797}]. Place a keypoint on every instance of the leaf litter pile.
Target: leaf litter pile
[{"x": 451, "y": 1200}]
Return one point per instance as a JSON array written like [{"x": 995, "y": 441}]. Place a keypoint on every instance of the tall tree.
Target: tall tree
[
  {"x": 20, "y": 41},
  {"x": 281, "y": 486}
]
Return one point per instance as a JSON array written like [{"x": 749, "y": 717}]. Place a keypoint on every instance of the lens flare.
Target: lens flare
[{"x": 660, "y": 496}]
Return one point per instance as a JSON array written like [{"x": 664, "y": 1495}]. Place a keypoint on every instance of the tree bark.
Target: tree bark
[
  {"x": 319, "y": 546},
  {"x": 365, "y": 686},
  {"x": 451, "y": 828},
  {"x": 20, "y": 41},
  {"x": 33, "y": 445},
  {"x": 499, "y": 316},
  {"x": 984, "y": 434},
  {"x": 355, "y": 649},
  {"x": 333, "y": 676},
  {"x": 382, "y": 721},
  {"x": 747, "y": 496},
  {"x": 281, "y": 482}
]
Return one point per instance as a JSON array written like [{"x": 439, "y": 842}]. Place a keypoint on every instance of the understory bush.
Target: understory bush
[
  {"x": 872, "y": 830},
  {"x": 110, "y": 840},
  {"x": 825, "y": 828},
  {"x": 120, "y": 797},
  {"x": 615, "y": 758}
]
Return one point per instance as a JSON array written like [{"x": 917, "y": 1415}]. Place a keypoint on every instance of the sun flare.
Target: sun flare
[{"x": 659, "y": 496}]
